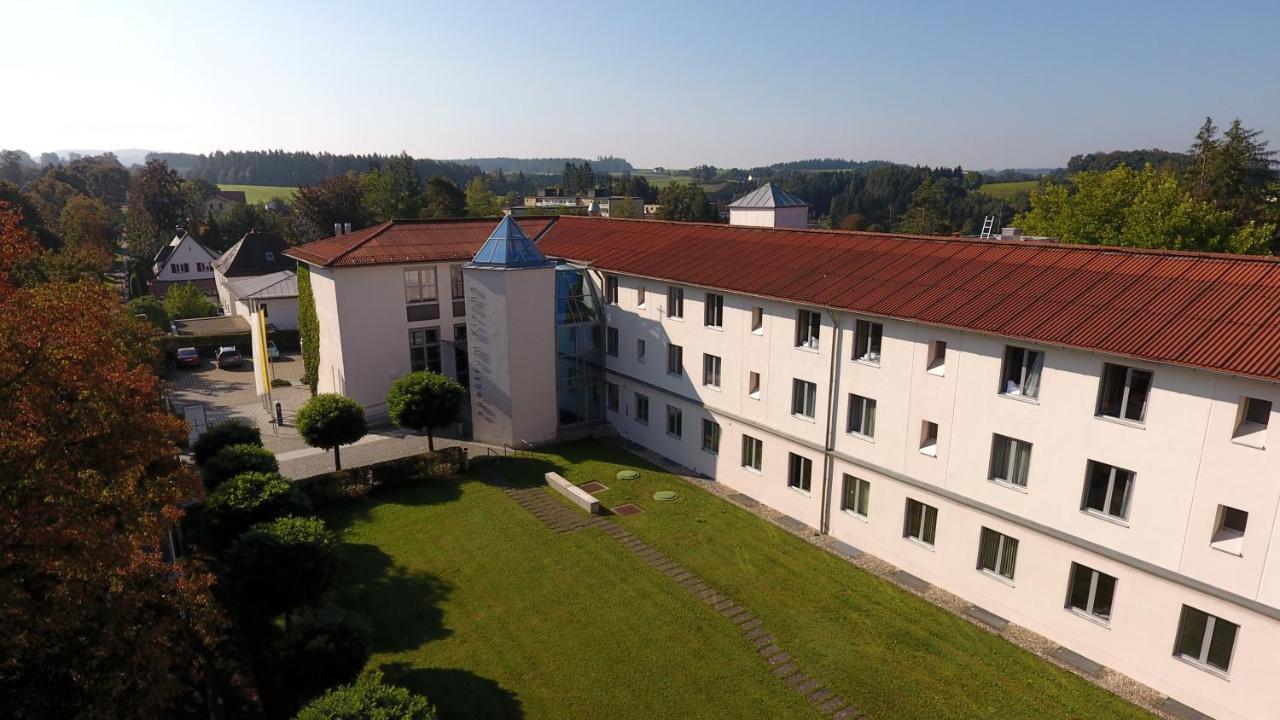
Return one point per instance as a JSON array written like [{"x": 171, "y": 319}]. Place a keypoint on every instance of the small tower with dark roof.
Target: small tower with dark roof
[{"x": 510, "y": 294}]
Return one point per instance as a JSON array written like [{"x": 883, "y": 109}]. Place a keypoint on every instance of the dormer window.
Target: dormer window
[{"x": 270, "y": 256}]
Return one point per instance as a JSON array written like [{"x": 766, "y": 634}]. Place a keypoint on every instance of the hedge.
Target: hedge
[
  {"x": 358, "y": 482},
  {"x": 286, "y": 340}
]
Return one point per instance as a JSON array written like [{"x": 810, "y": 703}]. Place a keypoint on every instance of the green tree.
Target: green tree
[
  {"x": 281, "y": 565},
  {"x": 926, "y": 213},
  {"x": 232, "y": 460},
  {"x": 1137, "y": 209},
  {"x": 480, "y": 201},
  {"x": 231, "y": 432},
  {"x": 686, "y": 201},
  {"x": 339, "y": 199},
  {"x": 185, "y": 300},
  {"x": 248, "y": 499},
  {"x": 369, "y": 698},
  {"x": 308, "y": 329},
  {"x": 329, "y": 421},
  {"x": 150, "y": 307},
  {"x": 158, "y": 202},
  {"x": 323, "y": 647},
  {"x": 86, "y": 222},
  {"x": 423, "y": 401},
  {"x": 393, "y": 190},
  {"x": 443, "y": 199}
]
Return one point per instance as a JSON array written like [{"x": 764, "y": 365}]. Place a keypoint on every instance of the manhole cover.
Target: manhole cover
[
  {"x": 627, "y": 509},
  {"x": 593, "y": 487},
  {"x": 628, "y": 474},
  {"x": 664, "y": 495}
]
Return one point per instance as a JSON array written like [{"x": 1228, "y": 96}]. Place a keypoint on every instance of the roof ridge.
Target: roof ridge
[
  {"x": 1060, "y": 246},
  {"x": 377, "y": 230}
]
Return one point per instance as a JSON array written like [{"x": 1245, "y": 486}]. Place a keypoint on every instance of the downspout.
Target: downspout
[{"x": 828, "y": 462}]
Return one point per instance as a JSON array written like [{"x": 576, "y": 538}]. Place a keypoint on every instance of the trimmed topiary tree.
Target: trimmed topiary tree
[
  {"x": 369, "y": 698},
  {"x": 329, "y": 421},
  {"x": 424, "y": 401},
  {"x": 280, "y": 565},
  {"x": 231, "y": 432},
  {"x": 232, "y": 460},
  {"x": 324, "y": 647},
  {"x": 250, "y": 498}
]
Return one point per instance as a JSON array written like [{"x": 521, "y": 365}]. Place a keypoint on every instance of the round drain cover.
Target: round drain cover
[
  {"x": 664, "y": 495},
  {"x": 628, "y": 474}
]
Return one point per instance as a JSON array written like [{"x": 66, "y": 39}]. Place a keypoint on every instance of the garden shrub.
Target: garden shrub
[
  {"x": 323, "y": 647},
  {"x": 231, "y": 432},
  {"x": 250, "y": 498},
  {"x": 369, "y": 698},
  {"x": 283, "y": 564},
  {"x": 232, "y": 460}
]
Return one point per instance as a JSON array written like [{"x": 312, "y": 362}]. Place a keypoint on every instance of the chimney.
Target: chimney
[
  {"x": 346, "y": 228},
  {"x": 337, "y": 229},
  {"x": 1011, "y": 233}
]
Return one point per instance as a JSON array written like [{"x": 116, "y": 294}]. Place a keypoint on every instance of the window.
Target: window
[
  {"x": 675, "y": 360},
  {"x": 757, "y": 320},
  {"x": 204, "y": 267},
  {"x": 178, "y": 267},
  {"x": 461, "y": 364},
  {"x": 1124, "y": 392},
  {"x": 675, "y": 421},
  {"x": 866, "y": 346},
  {"x": 713, "y": 311},
  {"x": 1205, "y": 639},
  {"x": 611, "y": 396},
  {"x": 937, "y": 364},
  {"x": 1020, "y": 376},
  {"x": 804, "y": 398},
  {"x": 808, "y": 326},
  {"x": 642, "y": 409},
  {"x": 929, "y": 438},
  {"x": 420, "y": 285},
  {"x": 997, "y": 553},
  {"x": 1228, "y": 533},
  {"x": 611, "y": 341},
  {"x": 1010, "y": 460},
  {"x": 921, "y": 522},
  {"x": 1091, "y": 592},
  {"x": 862, "y": 416},
  {"x": 1251, "y": 429},
  {"x": 710, "y": 436},
  {"x": 856, "y": 496},
  {"x": 799, "y": 472},
  {"x": 753, "y": 385},
  {"x": 456, "y": 283},
  {"x": 752, "y": 452},
  {"x": 640, "y": 297},
  {"x": 640, "y": 350},
  {"x": 424, "y": 350},
  {"x": 611, "y": 289},
  {"x": 1107, "y": 490},
  {"x": 711, "y": 371},
  {"x": 675, "y": 302}
]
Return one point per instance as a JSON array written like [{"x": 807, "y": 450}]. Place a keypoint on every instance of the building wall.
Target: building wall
[
  {"x": 191, "y": 253},
  {"x": 787, "y": 217},
  {"x": 364, "y": 327},
  {"x": 281, "y": 312},
  {"x": 1184, "y": 457}
]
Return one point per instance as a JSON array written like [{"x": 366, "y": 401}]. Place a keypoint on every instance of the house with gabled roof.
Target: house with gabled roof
[
  {"x": 183, "y": 260},
  {"x": 224, "y": 200},
  {"x": 249, "y": 275}
]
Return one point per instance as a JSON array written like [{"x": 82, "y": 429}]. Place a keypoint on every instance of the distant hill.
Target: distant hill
[
  {"x": 1136, "y": 159},
  {"x": 546, "y": 166}
]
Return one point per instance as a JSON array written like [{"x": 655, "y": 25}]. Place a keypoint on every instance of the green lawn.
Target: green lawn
[
  {"x": 476, "y": 603},
  {"x": 261, "y": 193},
  {"x": 1007, "y": 190}
]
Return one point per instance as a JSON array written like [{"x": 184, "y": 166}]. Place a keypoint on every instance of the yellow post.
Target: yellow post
[{"x": 261, "y": 352}]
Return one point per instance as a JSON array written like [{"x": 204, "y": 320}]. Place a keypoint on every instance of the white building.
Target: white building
[
  {"x": 769, "y": 206},
  {"x": 183, "y": 260},
  {"x": 255, "y": 273},
  {"x": 1073, "y": 438}
]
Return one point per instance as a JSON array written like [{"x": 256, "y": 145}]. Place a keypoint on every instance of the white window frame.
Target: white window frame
[
  {"x": 1030, "y": 364},
  {"x": 418, "y": 287},
  {"x": 710, "y": 436},
  {"x": 457, "y": 283},
  {"x": 859, "y": 505},
  {"x": 642, "y": 401},
  {"x": 928, "y": 530},
  {"x": 713, "y": 311},
  {"x": 1008, "y": 475},
  {"x": 612, "y": 397},
  {"x": 1206, "y": 641},
  {"x": 675, "y": 360},
  {"x": 1002, "y": 541},
  {"x": 808, "y": 329},
  {"x": 1129, "y": 372},
  {"x": 1089, "y": 611},
  {"x": 752, "y": 453},
  {"x": 1113, "y": 475},
  {"x": 711, "y": 366},
  {"x": 865, "y": 427},
  {"x": 804, "y": 399},
  {"x": 868, "y": 334},
  {"x": 675, "y": 302},
  {"x": 611, "y": 285},
  {"x": 676, "y": 414},
  {"x": 799, "y": 473},
  {"x": 611, "y": 341}
]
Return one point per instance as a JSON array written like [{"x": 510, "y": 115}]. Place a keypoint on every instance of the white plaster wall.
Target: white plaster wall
[
  {"x": 190, "y": 252},
  {"x": 788, "y": 217}
]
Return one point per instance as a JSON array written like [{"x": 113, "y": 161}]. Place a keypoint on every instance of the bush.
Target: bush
[
  {"x": 250, "y": 498},
  {"x": 153, "y": 309},
  {"x": 232, "y": 460},
  {"x": 232, "y": 432},
  {"x": 186, "y": 301},
  {"x": 323, "y": 647},
  {"x": 330, "y": 420},
  {"x": 424, "y": 401},
  {"x": 280, "y": 565},
  {"x": 369, "y": 698}
]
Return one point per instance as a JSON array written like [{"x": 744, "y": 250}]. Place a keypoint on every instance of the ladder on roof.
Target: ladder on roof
[{"x": 988, "y": 224}]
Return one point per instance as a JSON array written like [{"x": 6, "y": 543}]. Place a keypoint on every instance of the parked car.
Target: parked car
[
  {"x": 228, "y": 357},
  {"x": 273, "y": 352},
  {"x": 188, "y": 357}
]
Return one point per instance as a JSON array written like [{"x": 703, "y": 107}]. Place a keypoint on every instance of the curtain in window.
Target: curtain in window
[
  {"x": 1008, "y": 556},
  {"x": 989, "y": 549},
  {"x": 1021, "y": 462},
  {"x": 1032, "y": 385},
  {"x": 999, "y": 458},
  {"x": 869, "y": 418}
]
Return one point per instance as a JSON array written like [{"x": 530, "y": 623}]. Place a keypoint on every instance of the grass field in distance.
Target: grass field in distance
[{"x": 260, "y": 194}]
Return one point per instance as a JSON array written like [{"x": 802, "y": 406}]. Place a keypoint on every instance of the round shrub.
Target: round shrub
[
  {"x": 424, "y": 401},
  {"x": 231, "y": 432},
  {"x": 232, "y": 460},
  {"x": 369, "y": 698},
  {"x": 323, "y": 647},
  {"x": 330, "y": 420},
  {"x": 280, "y": 565},
  {"x": 250, "y": 498}
]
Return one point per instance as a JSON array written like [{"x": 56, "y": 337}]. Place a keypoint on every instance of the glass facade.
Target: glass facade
[{"x": 579, "y": 347}]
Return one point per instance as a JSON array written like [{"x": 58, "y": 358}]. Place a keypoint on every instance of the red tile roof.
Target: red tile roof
[
  {"x": 409, "y": 241},
  {"x": 1211, "y": 311}
]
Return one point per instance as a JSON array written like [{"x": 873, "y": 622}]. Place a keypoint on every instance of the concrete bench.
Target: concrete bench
[{"x": 578, "y": 496}]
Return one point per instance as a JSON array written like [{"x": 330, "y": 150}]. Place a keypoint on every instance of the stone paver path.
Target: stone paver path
[{"x": 784, "y": 668}]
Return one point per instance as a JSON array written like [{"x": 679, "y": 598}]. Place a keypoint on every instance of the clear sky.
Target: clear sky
[{"x": 1023, "y": 84}]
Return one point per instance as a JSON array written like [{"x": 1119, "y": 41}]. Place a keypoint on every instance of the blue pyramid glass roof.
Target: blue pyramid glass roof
[{"x": 509, "y": 246}]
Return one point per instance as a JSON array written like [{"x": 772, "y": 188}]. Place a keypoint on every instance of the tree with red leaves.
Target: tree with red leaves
[{"x": 94, "y": 622}]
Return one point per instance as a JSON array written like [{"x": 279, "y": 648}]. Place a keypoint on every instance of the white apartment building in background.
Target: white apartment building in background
[{"x": 1073, "y": 438}]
